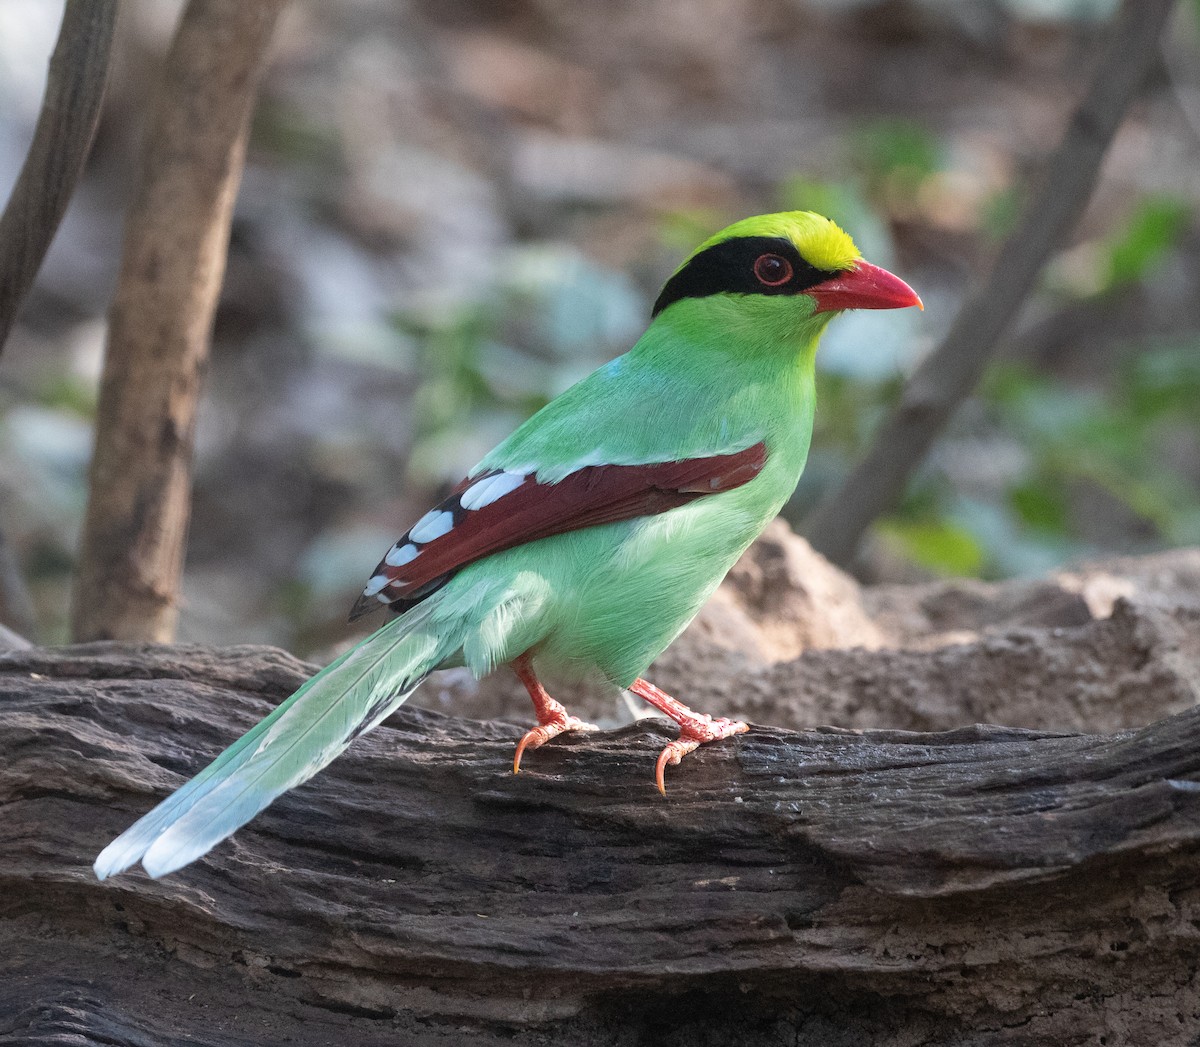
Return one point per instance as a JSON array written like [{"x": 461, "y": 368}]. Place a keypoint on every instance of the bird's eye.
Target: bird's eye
[{"x": 772, "y": 271}]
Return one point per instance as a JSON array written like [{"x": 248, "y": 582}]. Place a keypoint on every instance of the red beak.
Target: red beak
[{"x": 866, "y": 286}]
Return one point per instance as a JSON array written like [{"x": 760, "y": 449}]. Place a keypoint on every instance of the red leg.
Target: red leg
[
  {"x": 552, "y": 717},
  {"x": 694, "y": 728}
]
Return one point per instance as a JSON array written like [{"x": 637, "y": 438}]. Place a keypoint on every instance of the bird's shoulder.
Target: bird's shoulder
[{"x": 628, "y": 412}]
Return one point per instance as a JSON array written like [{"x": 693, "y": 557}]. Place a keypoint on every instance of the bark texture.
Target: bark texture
[
  {"x": 981, "y": 885},
  {"x": 173, "y": 259},
  {"x": 61, "y": 143}
]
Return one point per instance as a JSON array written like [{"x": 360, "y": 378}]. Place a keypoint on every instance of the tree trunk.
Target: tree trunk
[{"x": 176, "y": 236}]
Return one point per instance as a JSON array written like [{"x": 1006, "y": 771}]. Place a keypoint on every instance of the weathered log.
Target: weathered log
[{"x": 980, "y": 886}]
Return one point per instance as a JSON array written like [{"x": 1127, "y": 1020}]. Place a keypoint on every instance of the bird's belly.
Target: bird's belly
[{"x": 635, "y": 588}]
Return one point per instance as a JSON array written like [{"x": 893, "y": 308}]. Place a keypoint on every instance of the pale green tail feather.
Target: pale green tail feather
[{"x": 349, "y": 697}]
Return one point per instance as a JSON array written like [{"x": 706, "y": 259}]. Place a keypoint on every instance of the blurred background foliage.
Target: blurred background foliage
[{"x": 452, "y": 211}]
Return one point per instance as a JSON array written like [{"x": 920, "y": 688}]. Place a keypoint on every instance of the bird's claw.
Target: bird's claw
[
  {"x": 543, "y": 732},
  {"x": 692, "y": 735}
]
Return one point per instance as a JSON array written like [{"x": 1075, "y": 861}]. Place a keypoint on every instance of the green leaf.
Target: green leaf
[
  {"x": 895, "y": 156},
  {"x": 1164, "y": 380},
  {"x": 1040, "y": 503},
  {"x": 1000, "y": 211},
  {"x": 939, "y": 545},
  {"x": 1153, "y": 229}
]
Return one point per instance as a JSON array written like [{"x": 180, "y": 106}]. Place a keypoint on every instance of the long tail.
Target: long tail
[{"x": 314, "y": 726}]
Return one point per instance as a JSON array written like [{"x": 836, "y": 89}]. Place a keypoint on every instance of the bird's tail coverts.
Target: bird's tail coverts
[{"x": 347, "y": 699}]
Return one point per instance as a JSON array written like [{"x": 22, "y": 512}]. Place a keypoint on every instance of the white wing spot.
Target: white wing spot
[
  {"x": 383, "y": 598},
  {"x": 399, "y": 555},
  {"x": 376, "y": 585},
  {"x": 433, "y": 524},
  {"x": 489, "y": 489}
]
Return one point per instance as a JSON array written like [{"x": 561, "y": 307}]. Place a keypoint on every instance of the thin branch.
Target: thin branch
[
  {"x": 173, "y": 261},
  {"x": 60, "y": 146},
  {"x": 949, "y": 374},
  {"x": 61, "y": 142}
]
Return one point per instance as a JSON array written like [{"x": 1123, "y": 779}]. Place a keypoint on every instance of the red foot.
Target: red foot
[
  {"x": 541, "y": 734},
  {"x": 694, "y": 728},
  {"x": 553, "y": 718}
]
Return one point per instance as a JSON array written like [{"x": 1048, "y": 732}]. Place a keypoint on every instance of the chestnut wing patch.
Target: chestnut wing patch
[{"x": 494, "y": 511}]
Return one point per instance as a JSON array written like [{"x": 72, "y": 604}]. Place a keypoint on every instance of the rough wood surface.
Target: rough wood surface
[{"x": 984, "y": 885}]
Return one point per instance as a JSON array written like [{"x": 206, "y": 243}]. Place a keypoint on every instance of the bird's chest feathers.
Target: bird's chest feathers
[{"x": 726, "y": 416}]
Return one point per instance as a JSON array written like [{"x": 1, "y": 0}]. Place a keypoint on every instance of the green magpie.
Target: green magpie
[{"x": 589, "y": 538}]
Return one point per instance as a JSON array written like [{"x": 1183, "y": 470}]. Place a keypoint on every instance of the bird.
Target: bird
[{"x": 584, "y": 543}]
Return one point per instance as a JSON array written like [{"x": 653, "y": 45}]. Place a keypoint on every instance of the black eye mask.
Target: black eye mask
[{"x": 728, "y": 268}]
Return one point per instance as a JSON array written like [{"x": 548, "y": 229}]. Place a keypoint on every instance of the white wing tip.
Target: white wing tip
[
  {"x": 117, "y": 857},
  {"x": 158, "y": 857},
  {"x": 162, "y": 867},
  {"x": 130, "y": 847}
]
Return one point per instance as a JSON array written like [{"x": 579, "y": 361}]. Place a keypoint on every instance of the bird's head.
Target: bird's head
[{"x": 780, "y": 275}]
